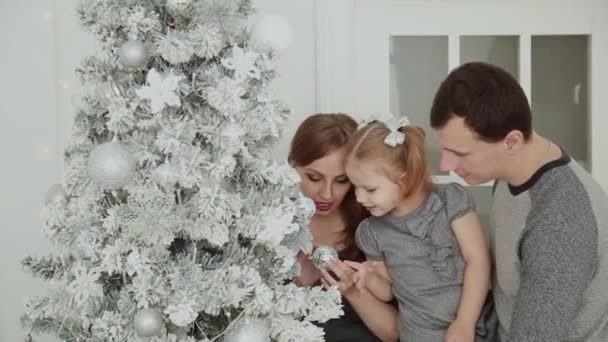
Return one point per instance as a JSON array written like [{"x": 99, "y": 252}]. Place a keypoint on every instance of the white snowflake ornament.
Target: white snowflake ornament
[
  {"x": 243, "y": 63},
  {"x": 160, "y": 90}
]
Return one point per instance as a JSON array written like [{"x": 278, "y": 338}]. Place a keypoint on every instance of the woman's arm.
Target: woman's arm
[
  {"x": 309, "y": 274},
  {"x": 476, "y": 254},
  {"x": 380, "y": 318}
]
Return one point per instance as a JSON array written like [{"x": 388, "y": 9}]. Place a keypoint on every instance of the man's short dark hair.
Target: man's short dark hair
[{"x": 489, "y": 99}]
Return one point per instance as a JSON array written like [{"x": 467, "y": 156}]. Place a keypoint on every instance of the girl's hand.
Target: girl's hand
[
  {"x": 345, "y": 282},
  {"x": 363, "y": 269},
  {"x": 309, "y": 274},
  {"x": 460, "y": 331}
]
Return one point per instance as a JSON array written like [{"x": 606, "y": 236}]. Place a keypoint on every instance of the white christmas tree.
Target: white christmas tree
[{"x": 172, "y": 222}]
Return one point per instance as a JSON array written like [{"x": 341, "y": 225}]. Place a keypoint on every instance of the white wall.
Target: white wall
[
  {"x": 42, "y": 44},
  {"x": 28, "y": 141}
]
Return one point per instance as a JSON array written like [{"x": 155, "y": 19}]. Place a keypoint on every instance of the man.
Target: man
[{"x": 550, "y": 217}]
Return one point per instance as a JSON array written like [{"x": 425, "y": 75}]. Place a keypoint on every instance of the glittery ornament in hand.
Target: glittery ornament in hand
[
  {"x": 148, "y": 323},
  {"x": 178, "y": 7},
  {"x": 322, "y": 255},
  {"x": 249, "y": 330},
  {"x": 111, "y": 165},
  {"x": 133, "y": 54},
  {"x": 55, "y": 196}
]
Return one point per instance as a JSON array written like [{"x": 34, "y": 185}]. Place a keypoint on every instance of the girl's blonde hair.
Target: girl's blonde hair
[{"x": 367, "y": 145}]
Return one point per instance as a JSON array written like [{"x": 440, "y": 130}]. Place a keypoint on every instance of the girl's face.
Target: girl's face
[
  {"x": 325, "y": 181},
  {"x": 375, "y": 191}
]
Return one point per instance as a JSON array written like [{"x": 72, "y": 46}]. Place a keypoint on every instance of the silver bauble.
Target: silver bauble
[
  {"x": 55, "y": 195},
  {"x": 249, "y": 330},
  {"x": 166, "y": 173},
  {"x": 148, "y": 322},
  {"x": 322, "y": 255},
  {"x": 133, "y": 54},
  {"x": 178, "y": 7},
  {"x": 111, "y": 165},
  {"x": 307, "y": 206}
]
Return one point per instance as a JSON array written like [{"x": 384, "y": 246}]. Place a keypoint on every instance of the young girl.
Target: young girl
[
  {"x": 318, "y": 153},
  {"x": 428, "y": 237}
]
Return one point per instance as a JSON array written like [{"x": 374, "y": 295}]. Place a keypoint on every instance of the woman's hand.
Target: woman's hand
[
  {"x": 460, "y": 331},
  {"x": 309, "y": 274}
]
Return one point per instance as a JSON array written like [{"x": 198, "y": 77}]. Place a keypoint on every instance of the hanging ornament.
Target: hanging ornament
[
  {"x": 148, "y": 322},
  {"x": 231, "y": 137},
  {"x": 323, "y": 255},
  {"x": 111, "y": 165},
  {"x": 307, "y": 206},
  {"x": 161, "y": 90},
  {"x": 56, "y": 196},
  {"x": 270, "y": 32},
  {"x": 249, "y": 330},
  {"x": 178, "y": 7},
  {"x": 133, "y": 54},
  {"x": 166, "y": 173}
]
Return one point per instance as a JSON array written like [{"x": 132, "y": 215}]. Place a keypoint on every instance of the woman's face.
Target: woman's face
[{"x": 325, "y": 181}]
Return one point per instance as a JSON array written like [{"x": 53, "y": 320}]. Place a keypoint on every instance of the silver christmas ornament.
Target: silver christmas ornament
[
  {"x": 55, "y": 195},
  {"x": 249, "y": 330},
  {"x": 307, "y": 206},
  {"x": 322, "y": 255},
  {"x": 148, "y": 322},
  {"x": 231, "y": 136},
  {"x": 165, "y": 173},
  {"x": 178, "y": 7},
  {"x": 111, "y": 165},
  {"x": 133, "y": 54}
]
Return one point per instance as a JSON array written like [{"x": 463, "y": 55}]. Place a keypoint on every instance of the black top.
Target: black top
[{"x": 348, "y": 328}]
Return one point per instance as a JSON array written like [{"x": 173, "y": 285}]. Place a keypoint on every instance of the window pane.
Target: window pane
[
  {"x": 502, "y": 51},
  {"x": 418, "y": 64},
  {"x": 560, "y": 93}
]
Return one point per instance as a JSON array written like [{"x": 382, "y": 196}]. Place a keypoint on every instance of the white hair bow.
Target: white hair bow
[{"x": 395, "y": 137}]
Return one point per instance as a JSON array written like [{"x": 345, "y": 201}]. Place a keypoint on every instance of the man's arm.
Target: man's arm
[{"x": 558, "y": 262}]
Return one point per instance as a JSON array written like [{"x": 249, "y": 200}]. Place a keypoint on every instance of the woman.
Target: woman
[{"x": 318, "y": 154}]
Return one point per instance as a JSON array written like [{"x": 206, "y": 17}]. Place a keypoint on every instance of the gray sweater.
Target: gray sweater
[{"x": 551, "y": 246}]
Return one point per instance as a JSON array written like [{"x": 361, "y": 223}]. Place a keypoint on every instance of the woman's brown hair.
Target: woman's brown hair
[
  {"x": 410, "y": 157},
  {"x": 316, "y": 137}
]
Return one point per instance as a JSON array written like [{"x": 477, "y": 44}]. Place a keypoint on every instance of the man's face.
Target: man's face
[{"x": 474, "y": 160}]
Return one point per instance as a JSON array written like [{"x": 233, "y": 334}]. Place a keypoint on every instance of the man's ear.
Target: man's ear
[{"x": 514, "y": 140}]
